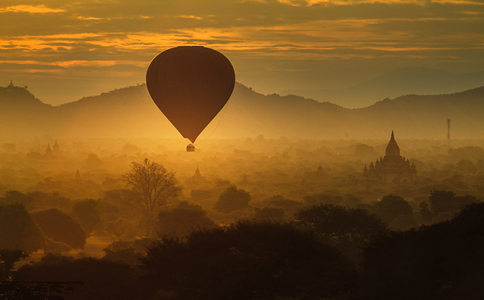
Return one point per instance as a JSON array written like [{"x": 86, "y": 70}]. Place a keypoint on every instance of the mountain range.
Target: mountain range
[
  {"x": 403, "y": 81},
  {"x": 130, "y": 112}
]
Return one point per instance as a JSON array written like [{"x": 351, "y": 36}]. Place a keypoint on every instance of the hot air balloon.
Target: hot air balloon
[{"x": 190, "y": 85}]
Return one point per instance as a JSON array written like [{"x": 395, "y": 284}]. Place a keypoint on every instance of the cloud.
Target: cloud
[
  {"x": 43, "y": 71},
  {"x": 54, "y": 42},
  {"x": 31, "y": 9},
  {"x": 71, "y": 36},
  {"x": 356, "y": 2},
  {"x": 359, "y": 2},
  {"x": 348, "y": 35},
  {"x": 94, "y": 37},
  {"x": 89, "y": 18},
  {"x": 458, "y": 2},
  {"x": 73, "y": 63},
  {"x": 470, "y": 12},
  {"x": 190, "y": 17}
]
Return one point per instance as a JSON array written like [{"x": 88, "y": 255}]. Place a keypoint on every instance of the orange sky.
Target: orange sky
[{"x": 64, "y": 50}]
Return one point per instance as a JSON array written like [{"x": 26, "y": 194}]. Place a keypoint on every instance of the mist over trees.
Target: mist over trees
[
  {"x": 254, "y": 218},
  {"x": 360, "y": 176}
]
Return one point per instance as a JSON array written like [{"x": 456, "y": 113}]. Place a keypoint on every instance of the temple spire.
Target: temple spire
[
  {"x": 392, "y": 166},
  {"x": 197, "y": 175},
  {"x": 392, "y": 147}
]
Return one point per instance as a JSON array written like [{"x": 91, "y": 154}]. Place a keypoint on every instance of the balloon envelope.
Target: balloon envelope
[{"x": 190, "y": 85}]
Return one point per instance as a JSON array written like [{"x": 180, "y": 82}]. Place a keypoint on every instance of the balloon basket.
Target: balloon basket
[{"x": 190, "y": 148}]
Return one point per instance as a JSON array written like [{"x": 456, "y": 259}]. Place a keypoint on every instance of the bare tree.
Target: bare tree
[{"x": 155, "y": 186}]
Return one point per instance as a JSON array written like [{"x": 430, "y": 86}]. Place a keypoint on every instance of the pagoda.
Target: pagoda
[{"x": 393, "y": 166}]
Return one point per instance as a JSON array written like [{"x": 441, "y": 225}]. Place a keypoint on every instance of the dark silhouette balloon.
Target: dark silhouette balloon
[{"x": 190, "y": 85}]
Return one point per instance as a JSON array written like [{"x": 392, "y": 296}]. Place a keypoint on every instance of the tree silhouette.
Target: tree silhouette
[
  {"x": 154, "y": 185},
  {"x": 442, "y": 201},
  {"x": 18, "y": 230},
  {"x": 463, "y": 201},
  {"x": 12, "y": 197},
  {"x": 269, "y": 214},
  {"x": 232, "y": 199},
  {"x": 7, "y": 260},
  {"x": 323, "y": 199},
  {"x": 60, "y": 227},
  {"x": 86, "y": 213},
  {"x": 247, "y": 261},
  {"x": 182, "y": 220},
  {"x": 425, "y": 212},
  {"x": 127, "y": 252},
  {"x": 442, "y": 261},
  {"x": 347, "y": 229},
  {"x": 85, "y": 278},
  {"x": 392, "y": 206}
]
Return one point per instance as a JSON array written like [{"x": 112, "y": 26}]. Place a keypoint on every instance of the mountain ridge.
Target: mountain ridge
[
  {"x": 129, "y": 112},
  {"x": 403, "y": 81}
]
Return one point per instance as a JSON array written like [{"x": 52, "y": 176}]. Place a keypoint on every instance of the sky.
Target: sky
[{"x": 64, "y": 50}]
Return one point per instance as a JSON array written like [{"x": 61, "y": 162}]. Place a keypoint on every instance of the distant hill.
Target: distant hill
[
  {"x": 20, "y": 112},
  {"x": 129, "y": 112},
  {"x": 411, "y": 80}
]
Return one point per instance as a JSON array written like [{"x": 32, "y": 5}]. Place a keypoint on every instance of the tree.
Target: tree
[
  {"x": 12, "y": 197},
  {"x": 463, "y": 201},
  {"x": 247, "y": 261},
  {"x": 288, "y": 206},
  {"x": 425, "y": 212},
  {"x": 323, "y": 199},
  {"x": 182, "y": 220},
  {"x": 60, "y": 227},
  {"x": 390, "y": 207},
  {"x": 86, "y": 213},
  {"x": 84, "y": 278},
  {"x": 93, "y": 161},
  {"x": 18, "y": 230},
  {"x": 127, "y": 252},
  {"x": 232, "y": 199},
  {"x": 442, "y": 201},
  {"x": 121, "y": 213},
  {"x": 41, "y": 200},
  {"x": 154, "y": 185},
  {"x": 466, "y": 166},
  {"x": 269, "y": 214},
  {"x": 441, "y": 261},
  {"x": 447, "y": 203},
  {"x": 347, "y": 229},
  {"x": 282, "y": 202},
  {"x": 7, "y": 260}
]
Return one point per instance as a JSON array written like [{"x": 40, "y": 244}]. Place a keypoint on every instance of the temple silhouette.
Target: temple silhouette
[{"x": 393, "y": 166}]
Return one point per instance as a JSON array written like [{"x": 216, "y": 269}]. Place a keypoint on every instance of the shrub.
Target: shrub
[
  {"x": 232, "y": 199},
  {"x": 60, "y": 227}
]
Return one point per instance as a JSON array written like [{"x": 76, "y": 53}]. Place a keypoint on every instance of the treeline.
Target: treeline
[
  {"x": 324, "y": 252},
  {"x": 56, "y": 224}
]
